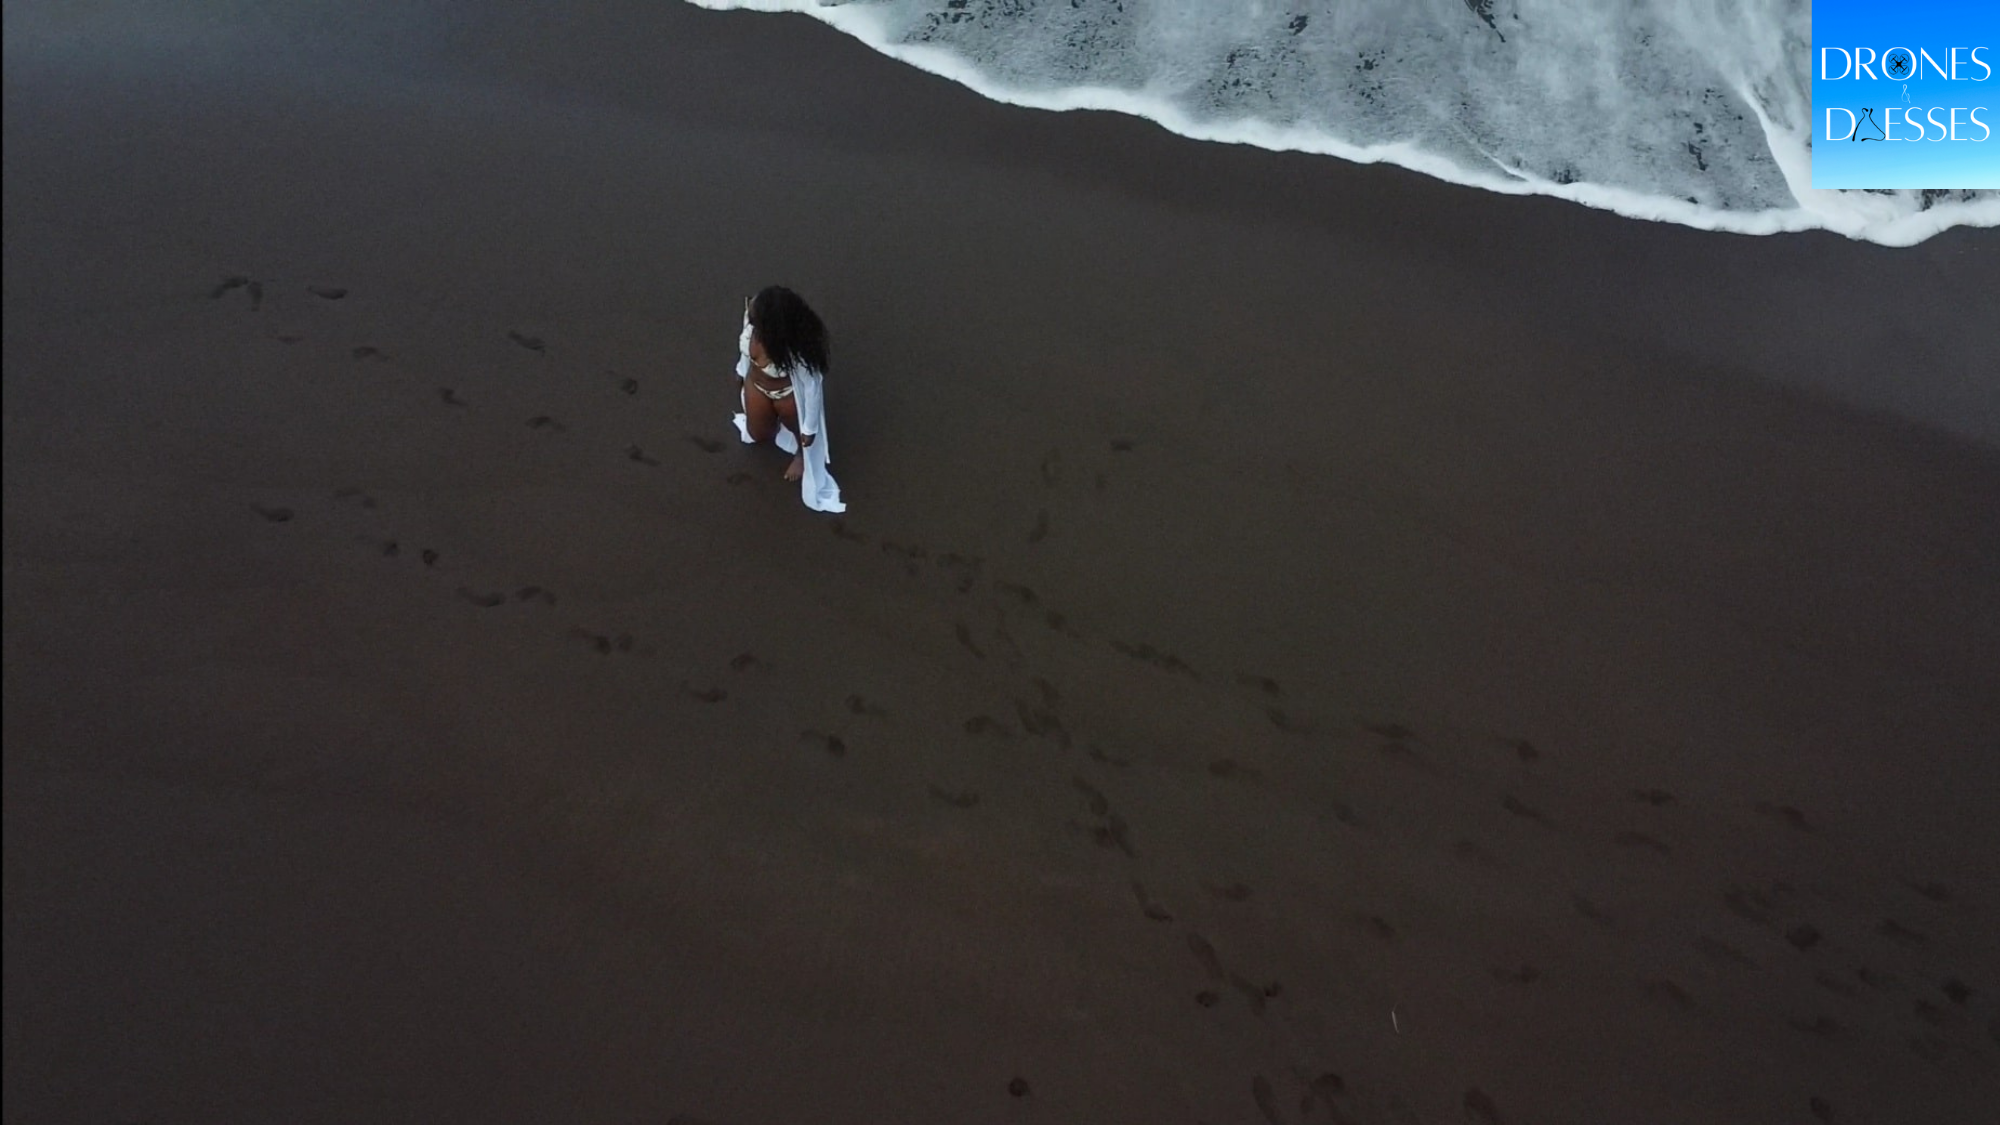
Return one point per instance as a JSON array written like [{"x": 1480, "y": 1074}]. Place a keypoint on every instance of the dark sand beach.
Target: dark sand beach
[{"x": 1308, "y": 643}]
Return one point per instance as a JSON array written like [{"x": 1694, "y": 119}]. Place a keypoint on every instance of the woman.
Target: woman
[{"x": 783, "y": 365}]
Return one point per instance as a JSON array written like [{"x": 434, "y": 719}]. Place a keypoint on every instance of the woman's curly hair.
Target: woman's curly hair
[{"x": 792, "y": 333}]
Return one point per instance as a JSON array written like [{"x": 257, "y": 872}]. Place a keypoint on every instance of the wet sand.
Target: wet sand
[{"x": 1308, "y": 643}]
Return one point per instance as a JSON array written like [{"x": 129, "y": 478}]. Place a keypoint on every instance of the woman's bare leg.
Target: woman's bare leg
[
  {"x": 788, "y": 413},
  {"x": 759, "y": 417}
]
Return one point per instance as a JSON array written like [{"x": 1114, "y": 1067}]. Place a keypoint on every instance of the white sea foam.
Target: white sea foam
[{"x": 1686, "y": 111}]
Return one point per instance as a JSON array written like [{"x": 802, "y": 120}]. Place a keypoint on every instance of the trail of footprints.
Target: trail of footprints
[{"x": 1942, "y": 1009}]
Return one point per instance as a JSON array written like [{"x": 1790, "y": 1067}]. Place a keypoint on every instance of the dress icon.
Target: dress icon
[{"x": 1868, "y": 118}]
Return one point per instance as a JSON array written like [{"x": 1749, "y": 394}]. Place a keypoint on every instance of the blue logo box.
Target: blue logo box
[{"x": 1906, "y": 95}]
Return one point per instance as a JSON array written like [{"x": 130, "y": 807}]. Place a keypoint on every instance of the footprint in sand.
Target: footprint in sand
[
  {"x": 1820, "y": 1108},
  {"x": 1207, "y": 999},
  {"x": 391, "y": 548},
  {"x": 1285, "y": 722},
  {"x": 256, "y": 291},
  {"x": 986, "y": 724},
  {"x": 289, "y": 338},
  {"x": 1206, "y": 956},
  {"x": 1147, "y": 906},
  {"x": 1513, "y": 805},
  {"x": 1114, "y": 833},
  {"x": 629, "y": 386},
  {"x": 1588, "y": 909},
  {"x": 1018, "y": 1087},
  {"x": 1936, "y": 892},
  {"x": 599, "y": 643},
  {"x": 1040, "y": 530},
  {"x": 326, "y": 292},
  {"x": 706, "y": 695},
  {"x": 832, "y": 743},
  {"x": 535, "y": 593},
  {"x": 1230, "y": 767},
  {"x": 1121, "y": 445},
  {"x": 859, "y": 706},
  {"x": 706, "y": 445},
  {"x": 450, "y": 397},
  {"x": 1474, "y": 854},
  {"x": 964, "y": 633},
  {"x": 1667, "y": 992},
  {"x": 840, "y": 530},
  {"x": 1098, "y": 755},
  {"x": 1396, "y": 748},
  {"x": 227, "y": 283},
  {"x": 532, "y": 343},
  {"x": 963, "y": 799},
  {"x": 1265, "y": 684},
  {"x": 1935, "y": 1016},
  {"x": 1042, "y": 723},
  {"x": 1047, "y": 690},
  {"x": 1524, "y": 750},
  {"x": 1055, "y": 621},
  {"x": 1803, "y": 936},
  {"x": 1025, "y": 594},
  {"x": 1876, "y": 980},
  {"x": 1897, "y": 932},
  {"x": 1835, "y": 984},
  {"x": 1324, "y": 1090},
  {"x": 1749, "y": 904},
  {"x": 1377, "y": 926},
  {"x": 1155, "y": 657},
  {"x": 1630, "y": 839},
  {"x": 1480, "y": 1107},
  {"x": 367, "y": 351},
  {"x": 737, "y": 478},
  {"x": 1267, "y": 1101},
  {"x": 429, "y": 556},
  {"x": 635, "y": 453},
  {"x": 1653, "y": 797},
  {"x": 1094, "y": 798},
  {"x": 275, "y": 515},
  {"x": 1930, "y": 1048},
  {"x": 1785, "y": 813},
  {"x": 967, "y": 569},
  {"x": 542, "y": 423},
  {"x": 1955, "y": 990},
  {"x": 743, "y": 661},
  {"x": 483, "y": 601},
  {"x": 1721, "y": 952}
]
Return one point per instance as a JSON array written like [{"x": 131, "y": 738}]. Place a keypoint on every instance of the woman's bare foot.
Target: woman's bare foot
[{"x": 797, "y": 468}]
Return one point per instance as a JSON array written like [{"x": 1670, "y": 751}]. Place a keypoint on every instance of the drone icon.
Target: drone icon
[{"x": 1897, "y": 63}]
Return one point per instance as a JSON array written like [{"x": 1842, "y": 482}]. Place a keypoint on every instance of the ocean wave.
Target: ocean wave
[{"x": 1695, "y": 112}]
